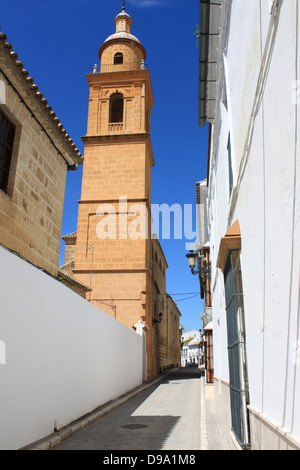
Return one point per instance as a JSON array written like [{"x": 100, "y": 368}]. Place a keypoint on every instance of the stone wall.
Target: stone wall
[{"x": 31, "y": 210}]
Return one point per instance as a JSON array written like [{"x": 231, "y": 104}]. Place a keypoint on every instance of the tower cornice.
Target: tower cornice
[{"x": 94, "y": 139}]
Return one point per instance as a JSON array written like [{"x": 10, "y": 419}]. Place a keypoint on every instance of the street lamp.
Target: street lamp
[
  {"x": 155, "y": 321},
  {"x": 203, "y": 271}
]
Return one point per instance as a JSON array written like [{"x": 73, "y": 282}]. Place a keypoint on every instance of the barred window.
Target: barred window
[{"x": 7, "y": 134}]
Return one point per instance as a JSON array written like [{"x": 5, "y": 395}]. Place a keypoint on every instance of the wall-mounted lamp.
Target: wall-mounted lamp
[
  {"x": 203, "y": 271},
  {"x": 154, "y": 321}
]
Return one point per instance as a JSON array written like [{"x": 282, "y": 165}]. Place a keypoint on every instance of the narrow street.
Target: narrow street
[{"x": 165, "y": 416}]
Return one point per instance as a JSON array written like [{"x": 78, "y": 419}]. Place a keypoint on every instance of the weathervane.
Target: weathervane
[{"x": 123, "y": 8}]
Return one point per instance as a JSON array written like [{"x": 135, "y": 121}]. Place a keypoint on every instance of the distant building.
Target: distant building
[
  {"x": 35, "y": 155},
  {"x": 203, "y": 263},
  {"x": 191, "y": 347},
  {"x": 165, "y": 315}
]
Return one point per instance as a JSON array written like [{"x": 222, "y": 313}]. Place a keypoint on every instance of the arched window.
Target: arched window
[
  {"x": 118, "y": 58},
  {"x": 116, "y": 108}
]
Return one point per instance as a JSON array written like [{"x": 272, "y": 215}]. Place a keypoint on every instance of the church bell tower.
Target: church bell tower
[{"x": 113, "y": 246}]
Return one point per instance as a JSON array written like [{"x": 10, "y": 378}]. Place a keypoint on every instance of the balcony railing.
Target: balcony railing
[
  {"x": 127, "y": 67},
  {"x": 115, "y": 126}
]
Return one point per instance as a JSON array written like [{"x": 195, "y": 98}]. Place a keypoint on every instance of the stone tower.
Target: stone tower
[{"x": 113, "y": 246}]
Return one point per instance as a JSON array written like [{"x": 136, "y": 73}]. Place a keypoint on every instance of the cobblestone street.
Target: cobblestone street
[{"x": 165, "y": 416}]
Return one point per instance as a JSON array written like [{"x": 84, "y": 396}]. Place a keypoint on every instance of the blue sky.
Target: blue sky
[{"x": 58, "y": 42}]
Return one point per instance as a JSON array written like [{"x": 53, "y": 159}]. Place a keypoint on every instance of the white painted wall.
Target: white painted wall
[
  {"x": 188, "y": 352},
  {"x": 64, "y": 357},
  {"x": 267, "y": 207}
]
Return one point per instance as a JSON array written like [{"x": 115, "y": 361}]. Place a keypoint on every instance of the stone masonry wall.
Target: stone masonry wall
[
  {"x": 131, "y": 55},
  {"x": 31, "y": 211}
]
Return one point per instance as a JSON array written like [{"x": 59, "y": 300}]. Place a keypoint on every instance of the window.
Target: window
[
  {"x": 237, "y": 349},
  {"x": 118, "y": 58},
  {"x": 7, "y": 134},
  {"x": 116, "y": 108}
]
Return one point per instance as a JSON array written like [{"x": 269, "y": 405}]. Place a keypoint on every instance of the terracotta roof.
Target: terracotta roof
[
  {"x": 70, "y": 236},
  {"x": 71, "y": 279},
  {"x": 21, "y": 72},
  {"x": 66, "y": 267}
]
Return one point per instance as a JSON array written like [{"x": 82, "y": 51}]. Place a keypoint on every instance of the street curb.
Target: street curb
[
  {"x": 53, "y": 439},
  {"x": 203, "y": 424}
]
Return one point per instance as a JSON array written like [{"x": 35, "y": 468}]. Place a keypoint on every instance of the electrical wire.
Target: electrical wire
[
  {"x": 182, "y": 293},
  {"x": 187, "y": 298}
]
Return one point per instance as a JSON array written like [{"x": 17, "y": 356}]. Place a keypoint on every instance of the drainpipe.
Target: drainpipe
[{"x": 203, "y": 58}]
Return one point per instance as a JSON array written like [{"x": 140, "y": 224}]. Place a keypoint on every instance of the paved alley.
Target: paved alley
[{"x": 165, "y": 416}]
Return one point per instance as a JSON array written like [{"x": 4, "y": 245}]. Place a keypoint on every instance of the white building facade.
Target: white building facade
[
  {"x": 250, "y": 96},
  {"x": 191, "y": 350}
]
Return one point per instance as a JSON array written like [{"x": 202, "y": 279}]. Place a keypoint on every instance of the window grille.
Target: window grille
[{"x": 237, "y": 356}]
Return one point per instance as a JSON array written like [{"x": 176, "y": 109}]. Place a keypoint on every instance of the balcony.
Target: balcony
[
  {"x": 127, "y": 67},
  {"x": 115, "y": 127}
]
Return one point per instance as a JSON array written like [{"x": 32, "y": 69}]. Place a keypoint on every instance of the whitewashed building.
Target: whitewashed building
[
  {"x": 191, "y": 350},
  {"x": 249, "y": 96}
]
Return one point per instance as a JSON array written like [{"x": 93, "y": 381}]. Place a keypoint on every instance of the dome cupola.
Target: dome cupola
[{"x": 122, "y": 47}]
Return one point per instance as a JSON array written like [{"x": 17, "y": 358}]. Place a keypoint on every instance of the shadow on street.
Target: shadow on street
[{"x": 125, "y": 428}]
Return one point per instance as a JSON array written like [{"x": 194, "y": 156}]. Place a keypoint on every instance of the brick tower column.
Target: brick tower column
[{"x": 113, "y": 247}]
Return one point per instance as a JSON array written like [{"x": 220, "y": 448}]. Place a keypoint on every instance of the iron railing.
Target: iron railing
[{"x": 126, "y": 67}]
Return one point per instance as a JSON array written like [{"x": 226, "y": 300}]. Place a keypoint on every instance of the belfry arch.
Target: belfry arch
[{"x": 116, "y": 108}]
